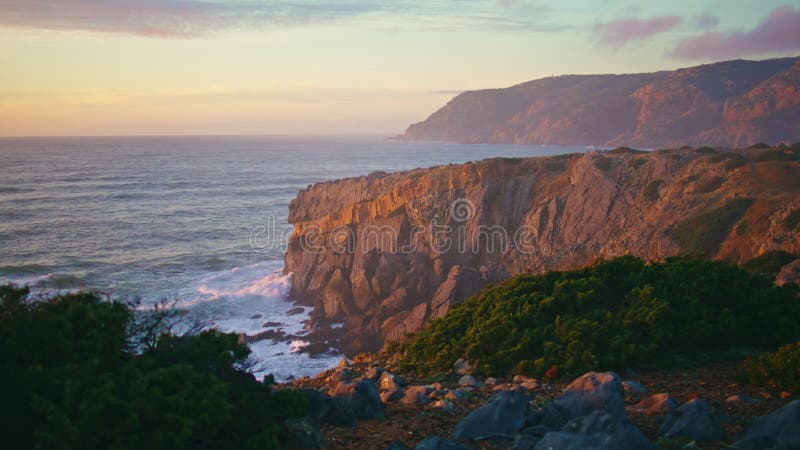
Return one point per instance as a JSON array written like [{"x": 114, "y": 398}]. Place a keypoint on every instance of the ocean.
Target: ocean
[{"x": 196, "y": 222}]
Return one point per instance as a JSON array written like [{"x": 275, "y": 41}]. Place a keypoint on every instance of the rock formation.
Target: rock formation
[
  {"x": 731, "y": 103},
  {"x": 384, "y": 253}
]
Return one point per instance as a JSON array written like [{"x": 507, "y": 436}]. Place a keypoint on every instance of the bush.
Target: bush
[
  {"x": 603, "y": 163},
  {"x": 704, "y": 233},
  {"x": 779, "y": 370},
  {"x": 793, "y": 220},
  {"x": 705, "y": 150},
  {"x": 769, "y": 264},
  {"x": 72, "y": 378},
  {"x": 614, "y": 315},
  {"x": 651, "y": 190}
]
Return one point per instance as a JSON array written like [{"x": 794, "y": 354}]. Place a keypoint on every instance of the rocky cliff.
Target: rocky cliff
[
  {"x": 732, "y": 103},
  {"x": 384, "y": 253}
]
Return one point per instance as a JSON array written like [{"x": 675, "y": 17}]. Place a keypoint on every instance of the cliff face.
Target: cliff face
[
  {"x": 386, "y": 252},
  {"x": 732, "y": 103}
]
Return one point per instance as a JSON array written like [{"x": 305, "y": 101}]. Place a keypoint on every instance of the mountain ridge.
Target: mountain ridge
[{"x": 731, "y": 103}]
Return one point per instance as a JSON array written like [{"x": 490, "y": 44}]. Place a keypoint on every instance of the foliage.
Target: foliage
[
  {"x": 704, "y": 233},
  {"x": 769, "y": 264},
  {"x": 779, "y": 370},
  {"x": 651, "y": 190},
  {"x": 778, "y": 154},
  {"x": 793, "y": 220},
  {"x": 710, "y": 185},
  {"x": 638, "y": 162},
  {"x": 603, "y": 163},
  {"x": 70, "y": 378},
  {"x": 613, "y": 315},
  {"x": 625, "y": 150},
  {"x": 705, "y": 150}
]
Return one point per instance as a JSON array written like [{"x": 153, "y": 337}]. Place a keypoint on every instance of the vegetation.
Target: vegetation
[
  {"x": 704, "y": 233},
  {"x": 779, "y": 154},
  {"x": 793, "y": 220},
  {"x": 770, "y": 263},
  {"x": 779, "y": 370},
  {"x": 638, "y": 162},
  {"x": 615, "y": 314},
  {"x": 76, "y": 374},
  {"x": 710, "y": 185},
  {"x": 604, "y": 163},
  {"x": 651, "y": 190},
  {"x": 625, "y": 150},
  {"x": 705, "y": 150}
]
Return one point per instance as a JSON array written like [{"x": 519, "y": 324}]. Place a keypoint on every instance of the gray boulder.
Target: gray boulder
[
  {"x": 302, "y": 434},
  {"x": 777, "y": 430},
  {"x": 560, "y": 440},
  {"x": 326, "y": 409},
  {"x": 591, "y": 392},
  {"x": 417, "y": 395},
  {"x": 634, "y": 387},
  {"x": 655, "y": 404},
  {"x": 362, "y": 396},
  {"x": 468, "y": 380},
  {"x": 696, "y": 420},
  {"x": 437, "y": 443},
  {"x": 613, "y": 432},
  {"x": 502, "y": 416}
]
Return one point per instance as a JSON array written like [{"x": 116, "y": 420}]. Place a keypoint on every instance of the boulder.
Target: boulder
[
  {"x": 502, "y": 416},
  {"x": 397, "y": 445},
  {"x": 778, "y": 429},
  {"x": 696, "y": 420},
  {"x": 491, "y": 381},
  {"x": 634, "y": 387},
  {"x": 416, "y": 395},
  {"x": 655, "y": 404},
  {"x": 363, "y": 397},
  {"x": 591, "y": 392},
  {"x": 437, "y": 443},
  {"x": 468, "y": 380},
  {"x": 790, "y": 273},
  {"x": 461, "y": 367},
  {"x": 612, "y": 431},
  {"x": 326, "y": 409},
  {"x": 742, "y": 399},
  {"x": 560, "y": 440},
  {"x": 389, "y": 381},
  {"x": 525, "y": 442},
  {"x": 392, "y": 395},
  {"x": 443, "y": 405},
  {"x": 373, "y": 373}
]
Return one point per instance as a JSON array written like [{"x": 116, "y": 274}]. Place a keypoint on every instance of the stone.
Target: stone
[
  {"x": 696, "y": 420},
  {"x": 443, "y": 405},
  {"x": 525, "y": 442},
  {"x": 437, "y": 443},
  {"x": 739, "y": 398},
  {"x": 363, "y": 397},
  {"x": 634, "y": 387},
  {"x": 373, "y": 373},
  {"x": 503, "y": 415},
  {"x": 559, "y": 440},
  {"x": 786, "y": 395},
  {"x": 613, "y": 432},
  {"x": 468, "y": 380},
  {"x": 778, "y": 429},
  {"x": 392, "y": 395},
  {"x": 343, "y": 364},
  {"x": 655, "y": 404},
  {"x": 397, "y": 445},
  {"x": 789, "y": 273},
  {"x": 461, "y": 367},
  {"x": 389, "y": 381},
  {"x": 529, "y": 385},
  {"x": 324, "y": 408},
  {"x": 591, "y": 392},
  {"x": 416, "y": 395},
  {"x": 491, "y": 381}
]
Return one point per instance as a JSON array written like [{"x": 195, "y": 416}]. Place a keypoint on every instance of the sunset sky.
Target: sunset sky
[{"x": 130, "y": 67}]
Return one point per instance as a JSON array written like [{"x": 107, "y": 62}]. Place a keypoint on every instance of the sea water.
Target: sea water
[{"x": 172, "y": 220}]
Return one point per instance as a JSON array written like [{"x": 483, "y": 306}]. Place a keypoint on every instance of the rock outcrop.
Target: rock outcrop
[
  {"x": 384, "y": 253},
  {"x": 731, "y": 103}
]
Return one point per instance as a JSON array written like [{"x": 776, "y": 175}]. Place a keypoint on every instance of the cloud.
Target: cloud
[
  {"x": 706, "y": 20},
  {"x": 196, "y": 18},
  {"x": 778, "y": 32},
  {"x": 619, "y": 32}
]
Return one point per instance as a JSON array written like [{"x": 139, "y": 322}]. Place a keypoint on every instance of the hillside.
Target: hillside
[
  {"x": 731, "y": 103},
  {"x": 383, "y": 253}
]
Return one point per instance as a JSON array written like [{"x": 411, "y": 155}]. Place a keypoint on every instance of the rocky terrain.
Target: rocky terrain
[
  {"x": 379, "y": 255},
  {"x": 365, "y": 404},
  {"x": 732, "y": 103}
]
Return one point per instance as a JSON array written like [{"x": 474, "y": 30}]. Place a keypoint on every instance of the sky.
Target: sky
[{"x": 174, "y": 67}]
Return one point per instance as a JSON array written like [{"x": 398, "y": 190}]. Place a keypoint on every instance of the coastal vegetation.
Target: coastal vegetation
[
  {"x": 617, "y": 314},
  {"x": 79, "y": 372}
]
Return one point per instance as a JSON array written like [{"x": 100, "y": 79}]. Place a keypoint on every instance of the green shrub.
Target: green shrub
[
  {"x": 793, "y": 220},
  {"x": 760, "y": 145},
  {"x": 625, "y": 150},
  {"x": 779, "y": 155},
  {"x": 638, "y": 162},
  {"x": 603, "y": 163},
  {"x": 710, "y": 185},
  {"x": 651, "y": 190},
  {"x": 613, "y": 315},
  {"x": 770, "y": 263},
  {"x": 705, "y": 232},
  {"x": 705, "y": 150},
  {"x": 73, "y": 376},
  {"x": 779, "y": 370}
]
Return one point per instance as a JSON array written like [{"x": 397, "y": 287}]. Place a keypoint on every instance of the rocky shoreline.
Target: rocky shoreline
[{"x": 366, "y": 404}]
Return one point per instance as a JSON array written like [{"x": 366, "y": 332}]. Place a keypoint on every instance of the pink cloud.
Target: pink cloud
[
  {"x": 779, "y": 32},
  {"x": 621, "y": 31}
]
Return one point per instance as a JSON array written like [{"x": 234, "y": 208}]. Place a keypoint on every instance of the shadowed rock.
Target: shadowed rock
[
  {"x": 696, "y": 420},
  {"x": 655, "y": 404},
  {"x": 362, "y": 396},
  {"x": 590, "y": 392},
  {"x": 502, "y": 416},
  {"x": 779, "y": 429}
]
